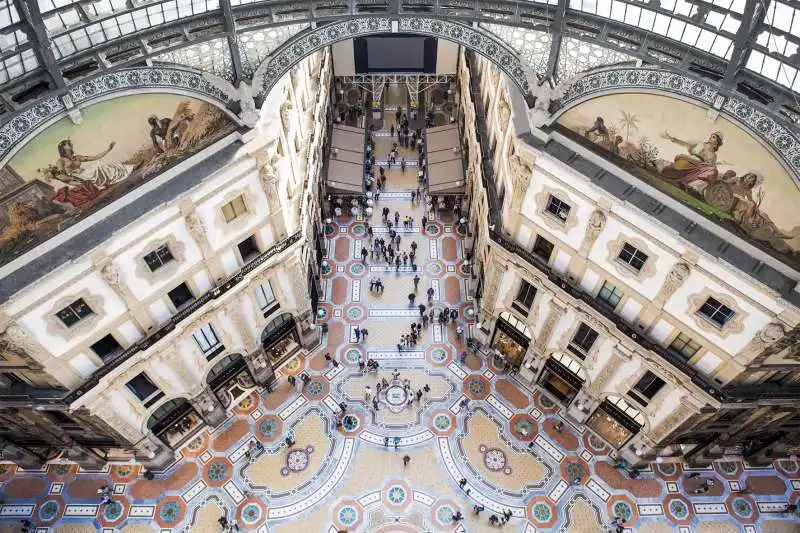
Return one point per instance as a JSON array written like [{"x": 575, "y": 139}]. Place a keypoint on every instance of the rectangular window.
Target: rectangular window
[
  {"x": 525, "y": 296},
  {"x": 716, "y": 312},
  {"x": 107, "y": 347},
  {"x": 647, "y": 387},
  {"x": 632, "y": 257},
  {"x": 264, "y": 295},
  {"x": 9, "y": 379},
  {"x": 158, "y": 258},
  {"x": 610, "y": 294},
  {"x": 235, "y": 208},
  {"x": 542, "y": 248},
  {"x": 74, "y": 313},
  {"x": 206, "y": 338},
  {"x": 582, "y": 341},
  {"x": 558, "y": 208},
  {"x": 248, "y": 248},
  {"x": 142, "y": 387},
  {"x": 180, "y": 296},
  {"x": 684, "y": 346}
]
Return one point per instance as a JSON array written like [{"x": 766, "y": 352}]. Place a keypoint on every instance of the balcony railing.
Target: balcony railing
[{"x": 727, "y": 395}]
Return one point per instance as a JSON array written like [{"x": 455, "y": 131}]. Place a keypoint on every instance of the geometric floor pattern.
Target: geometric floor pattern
[{"x": 502, "y": 445}]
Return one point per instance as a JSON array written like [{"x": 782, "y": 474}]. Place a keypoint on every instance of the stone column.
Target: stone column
[
  {"x": 270, "y": 182},
  {"x": 310, "y": 335},
  {"x": 210, "y": 408},
  {"x": 198, "y": 232},
  {"x": 554, "y": 315}
]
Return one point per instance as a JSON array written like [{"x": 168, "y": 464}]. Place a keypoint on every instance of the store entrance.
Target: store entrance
[
  {"x": 230, "y": 379},
  {"x": 562, "y": 377},
  {"x": 175, "y": 422},
  {"x": 280, "y": 339},
  {"x": 616, "y": 421},
  {"x": 511, "y": 339}
]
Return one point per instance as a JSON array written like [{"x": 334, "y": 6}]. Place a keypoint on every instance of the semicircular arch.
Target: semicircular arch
[
  {"x": 314, "y": 39},
  {"x": 777, "y": 137}
]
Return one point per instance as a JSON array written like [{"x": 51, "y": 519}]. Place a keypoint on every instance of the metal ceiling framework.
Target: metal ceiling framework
[{"x": 745, "y": 47}]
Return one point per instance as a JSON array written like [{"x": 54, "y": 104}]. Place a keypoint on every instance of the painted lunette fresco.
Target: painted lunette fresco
[
  {"x": 713, "y": 166},
  {"x": 69, "y": 171}
]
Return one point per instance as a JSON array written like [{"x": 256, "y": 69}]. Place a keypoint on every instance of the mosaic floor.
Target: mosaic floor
[{"x": 503, "y": 444}]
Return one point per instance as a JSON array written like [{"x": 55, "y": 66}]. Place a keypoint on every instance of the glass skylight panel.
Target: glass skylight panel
[
  {"x": 15, "y": 66},
  {"x": 211, "y": 56}
]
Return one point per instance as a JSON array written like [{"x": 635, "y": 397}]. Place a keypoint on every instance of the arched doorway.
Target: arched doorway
[
  {"x": 280, "y": 339},
  {"x": 511, "y": 338},
  {"x": 562, "y": 376},
  {"x": 230, "y": 379},
  {"x": 174, "y": 422},
  {"x": 616, "y": 421}
]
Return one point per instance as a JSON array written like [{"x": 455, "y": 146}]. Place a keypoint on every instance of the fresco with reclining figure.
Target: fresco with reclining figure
[
  {"x": 713, "y": 166},
  {"x": 69, "y": 171}
]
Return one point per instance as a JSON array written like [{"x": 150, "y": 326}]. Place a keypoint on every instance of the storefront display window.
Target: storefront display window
[
  {"x": 563, "y": 377},
  {"x": 174, "y": 422},
  {"x": 512, "y": 338},
  {"x": 616, "y": 421},
  {"x": 280, "y": 339}
]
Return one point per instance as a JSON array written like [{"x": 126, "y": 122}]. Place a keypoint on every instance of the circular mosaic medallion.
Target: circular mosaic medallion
[
  {"x": 217, "y": 471},
  {"x": 494, "y": 459},
  {"x": 524, "y": 426},
  {"x": 170, "y": 512},
  {"x": 326, "y": 268},
  {"x": 542, "y": 512},
  {"x": 432, "y": 229},
  {"x": 112, "y": 511},
  {"x": 623, "y": 510},
  {"x": 477, "y": 386},
  {"x": 464, "y": 268},
  {"x": 247, "y": 403},
  {"x": 742, "y": 508},
  {"x": 444, "y": 515},
  {"x": 350, "y": 423},
  {"x": 322, "y": 313},
  {"x": 575, "y": 471},
  {"x": 396, "y": 396},
  {"x": 352, "y": 356},
  {"x": 469, "y": 313},
  {"x": 268, "y": 428},
  {"x": 728, "y": 467},
  {"x": 596, "y": 442},
  {"x": 438, "y": 355},
  {"x": 668, "y": 469},
  {"x": 678, "y": 509},
  {"x": 434, "y": 269},
  {"x": 125, "y": 470},
  {"x": 442, "y": 422},
  {"x": 396, "y": 495},
  {"x": 355, "y": 313},
  {"x": 329, "y": 230},
  {"x": 348, "y": 515},
  {"x": 546, "y": 402},
  {"x": 315, "y": 388},
  {"x": 251, "y": 514},
  {"x": 48, "y": 511},
  {"x": 358, "y": 229},
  {"x": 62, "y": 470},
  {"x": 356, "y": 269},
  {"x": 297, "y": 460},
  {"x": 4, "y": 469}
]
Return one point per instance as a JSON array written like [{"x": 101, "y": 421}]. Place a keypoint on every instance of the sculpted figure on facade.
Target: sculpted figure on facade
[
  {"x": 17, "y": 336},
  {"x": 505, "y": 113},
  {"x": 521, "y": 173},
  {"x": 111, "y": 275},
  {"x": 554, "y": 314},
  {"x": 768, "y": 336},
  {"x": 286, "y": 114},
  {"x": 675, "y": 278},
  {"x": 268, "y": 174},
  {"x": 595, "y": 226},
  {"x": 196, "y": 229}
]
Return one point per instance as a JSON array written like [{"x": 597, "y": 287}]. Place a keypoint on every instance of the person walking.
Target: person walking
[
  {"x": 430, "y": 294},
  {"x": 367, "y": 394},
  {"x": 416, "y": 282},
  {"x": 421, "y": 310},
  {"x": 396, "y": 218},
  {"x": 406, "y": 460},
  {"x": 411, "y": 297}
]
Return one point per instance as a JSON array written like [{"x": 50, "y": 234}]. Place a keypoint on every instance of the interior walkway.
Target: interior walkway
[{"x": 503, "y": 443}]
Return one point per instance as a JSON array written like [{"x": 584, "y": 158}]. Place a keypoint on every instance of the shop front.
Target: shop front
[
  {"x": 511, "y": 338},
  {"x": 175, "y": 422},
  {"x": 230, "y": 379},
  {"x": 562, "y": 377},
  {"x": 616, "y": 421},
  {"x": 280, "y": 339}
]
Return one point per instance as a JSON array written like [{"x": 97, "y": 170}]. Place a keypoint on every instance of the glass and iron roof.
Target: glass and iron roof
[{"x": 760, "y": 38}]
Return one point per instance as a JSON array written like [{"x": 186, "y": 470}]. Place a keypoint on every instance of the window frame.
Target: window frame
[
  {"x": 629, "y": 262},
  {"x": 557, "y": 213},
  {"x": 642, "y": 394},
  {"x": 577, "y": 348},
  {"x": 259, "y": 291},
  {"x": 610, "y": 294},
  {"x": 688, "y": 341},
  {"x": 522, "y": 305},
  {"x": 155, "y": 254},
  {"x": 133, "y": 391},
  {"x": 239, "y": 198},
  {"x": 205, "y": 337},
  {"x": 536, "y": 241},
  {"x": 719, "y": 310},
  {"x": 76, "y": 315}
]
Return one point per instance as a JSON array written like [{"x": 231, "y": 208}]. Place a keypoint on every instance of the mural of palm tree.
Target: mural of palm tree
[{"x": 630, "y": 122}]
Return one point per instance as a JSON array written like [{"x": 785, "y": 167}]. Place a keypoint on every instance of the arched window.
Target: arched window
[
  {"x": 277, "y": 327},
  {"x": 224, "y": 369},
  {"x": 167, "y": 411},
  {"x": 519, "y": 325},
  {"x": 632, "y": 412},
  {"x": 571, "y": 364}
]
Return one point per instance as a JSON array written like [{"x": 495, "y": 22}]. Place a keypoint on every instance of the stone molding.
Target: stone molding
[
  {"x": 240, "y": 221},
  {"x": 674, "y": 280},
  {"x": 614, "y": 248},
  {"x": 56, "y": 328},
  {"x": 734, "y": 325},
  {"x": 553, "y": 222},
  {"x": 176, "y": 248},
  {"x": 596, "y": 225}
]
